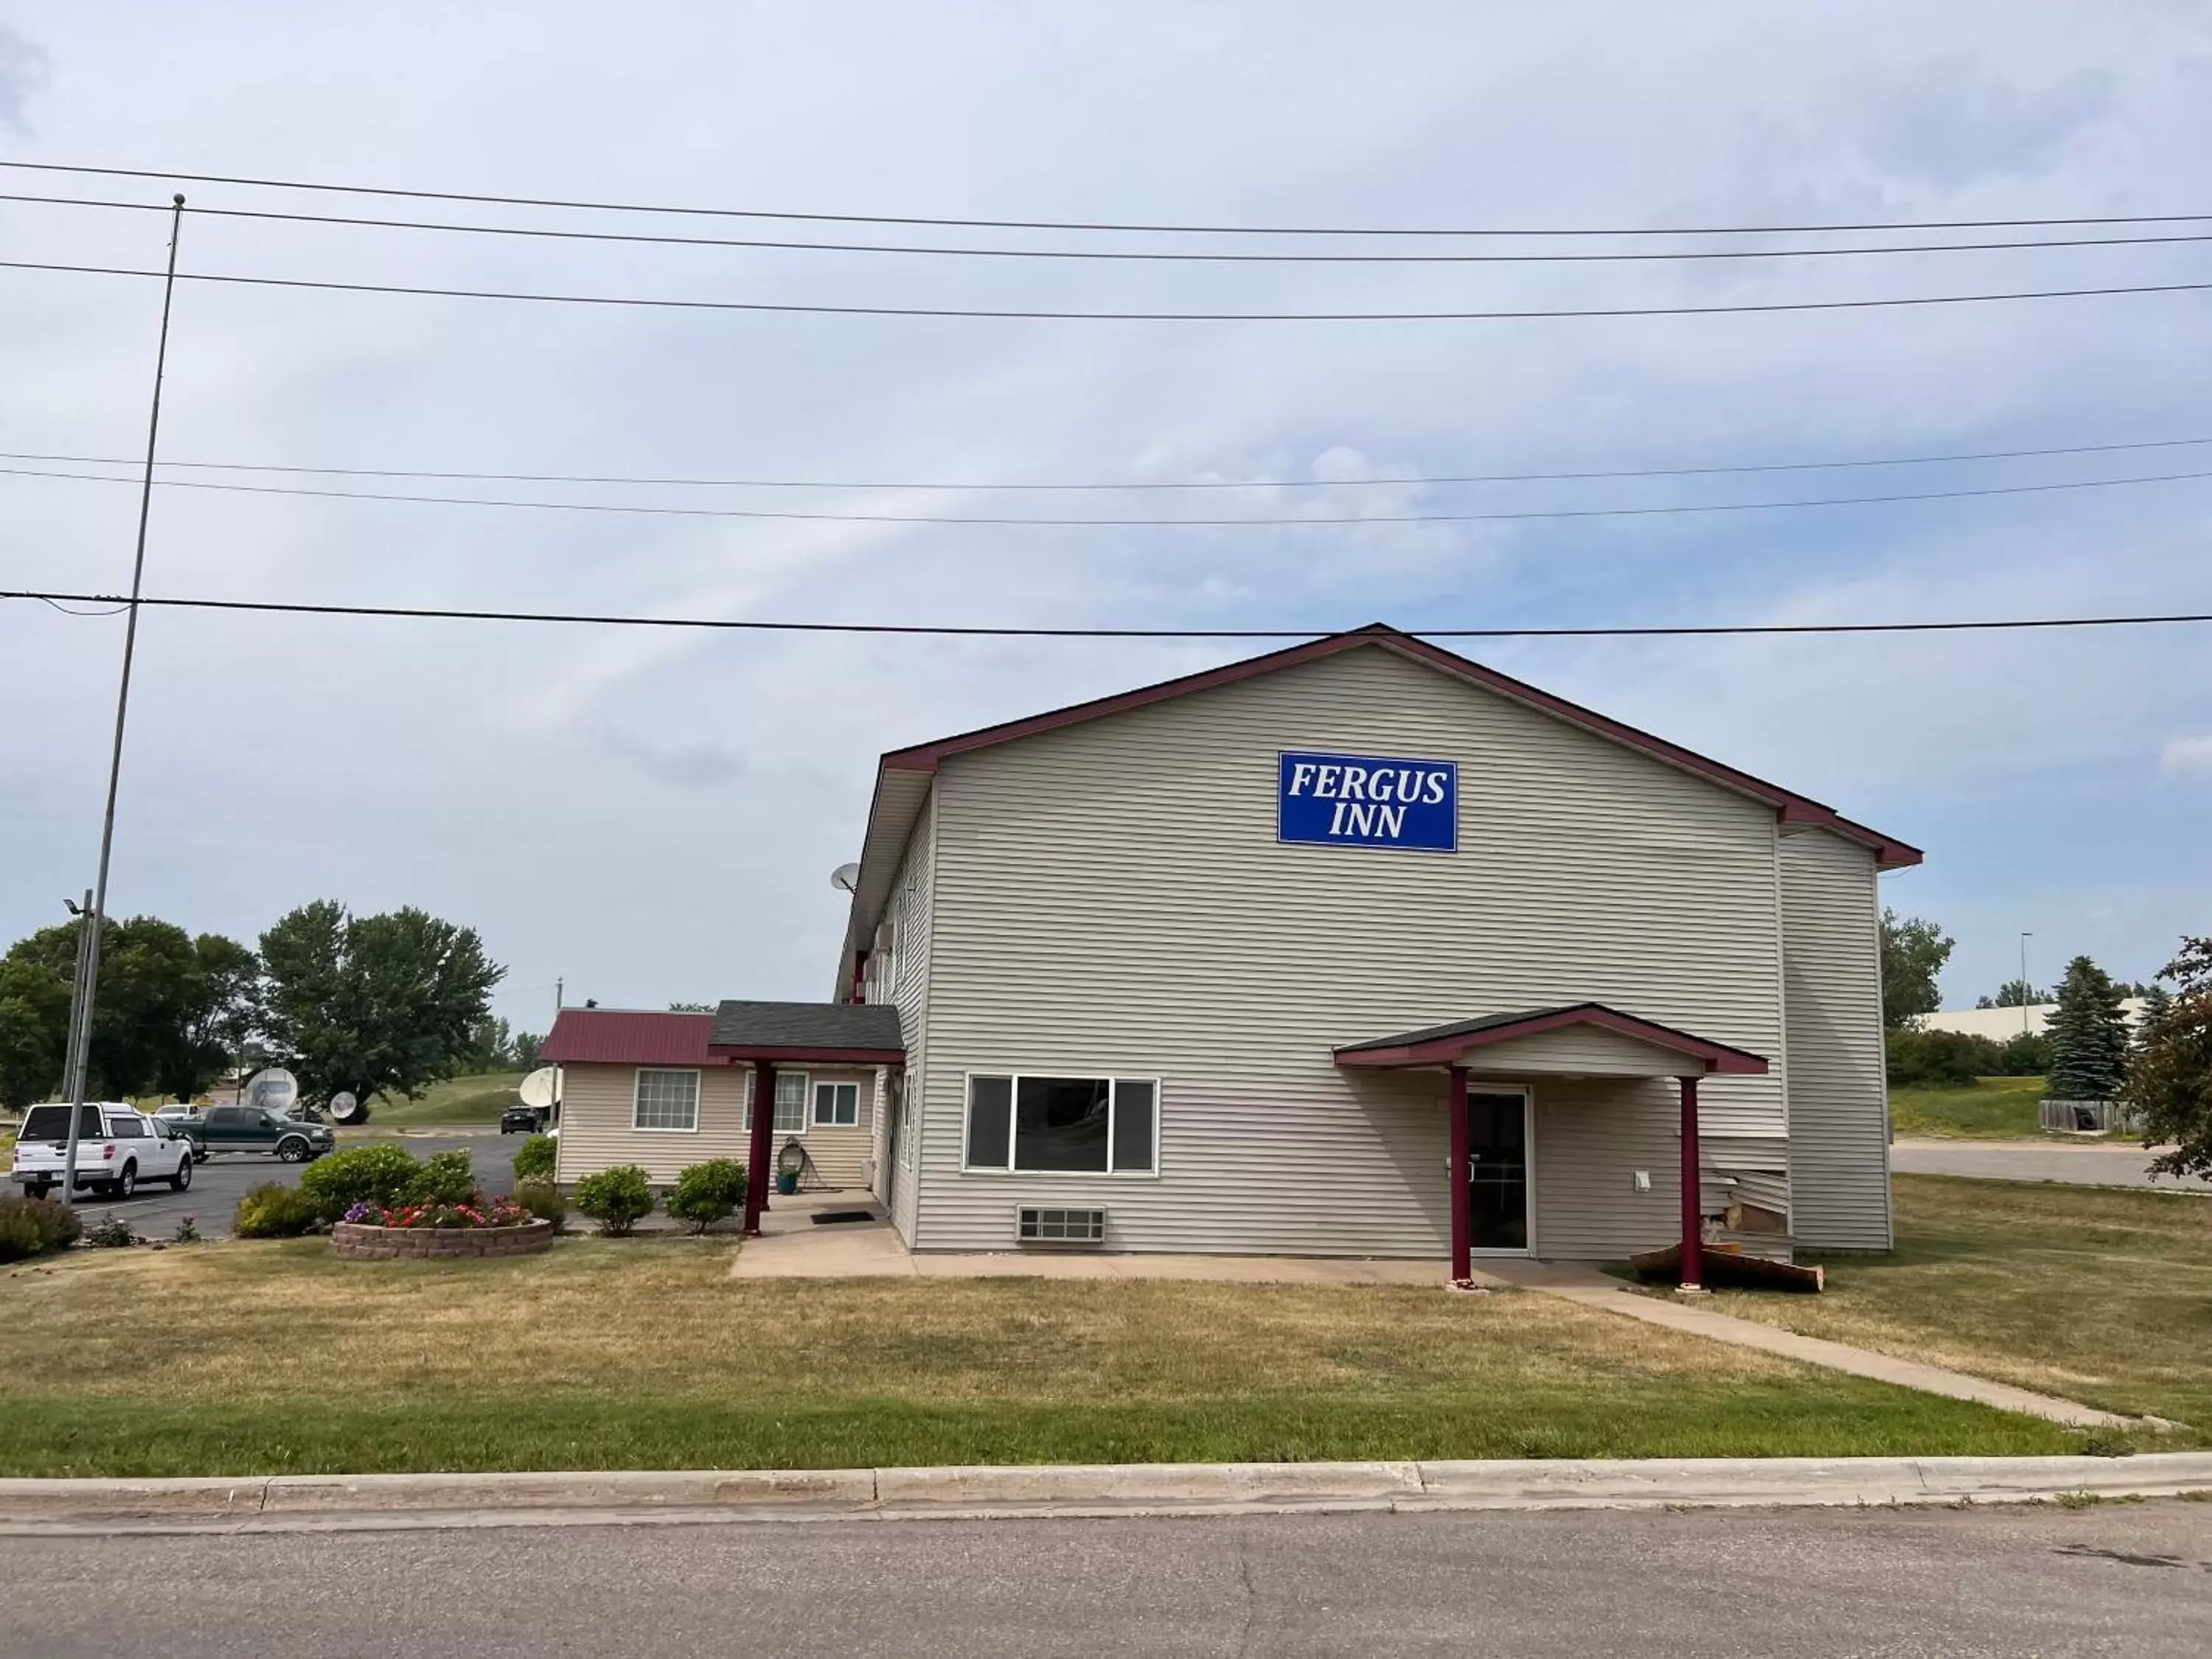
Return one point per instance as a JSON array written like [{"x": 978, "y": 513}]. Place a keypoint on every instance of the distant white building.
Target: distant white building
[{"x": 1999, "y": 1023}]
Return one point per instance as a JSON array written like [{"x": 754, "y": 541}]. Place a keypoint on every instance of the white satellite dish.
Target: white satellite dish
[
  {"x": 346, "y": 1107},
  {"x": 537, "y": 1089},
  {"x": 274, "y": 1088},
  {"x": 846, "y": 878}
]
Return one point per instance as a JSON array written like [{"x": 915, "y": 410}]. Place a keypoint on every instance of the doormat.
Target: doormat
[{"x": 831, "y": 1218}]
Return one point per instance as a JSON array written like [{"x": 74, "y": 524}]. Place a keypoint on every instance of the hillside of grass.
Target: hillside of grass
[
  {"x": 477, "y": 1098},
  {"x": 1990, "y": 1108}
]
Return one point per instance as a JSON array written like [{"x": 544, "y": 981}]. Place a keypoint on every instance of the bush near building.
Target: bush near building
[
  {"x": 543, "y": 1200},
  {"x": 617, "y": 1199},
  {"x": 706, "y": 1193},
  {"x": 533, "y": 1159},
  {"x": 444, "y": 1178},
  {"x": 377, "y": 1174},
  {"x": 273, "y": 1210}
]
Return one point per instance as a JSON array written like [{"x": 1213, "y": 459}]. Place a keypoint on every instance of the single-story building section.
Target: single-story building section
[{"x": 1357, "y": 948}]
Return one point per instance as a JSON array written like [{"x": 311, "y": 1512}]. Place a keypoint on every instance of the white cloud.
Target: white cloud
[{"x": 2187, "y": 758}]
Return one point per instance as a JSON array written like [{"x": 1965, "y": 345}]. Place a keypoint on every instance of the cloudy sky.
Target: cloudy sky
[{"x": 653, "y": 816}]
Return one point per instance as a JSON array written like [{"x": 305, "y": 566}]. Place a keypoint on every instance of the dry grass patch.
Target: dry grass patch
[
  {"x": 277, "y": 1357},
  {"x": 2100, "y": 1295}
]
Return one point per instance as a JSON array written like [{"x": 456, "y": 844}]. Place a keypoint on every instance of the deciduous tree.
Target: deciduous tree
[
  {"x": 1913, "y": 952},
  {"x": 2170, "y": 1082},
  {"x": 372, "y": 1005}
]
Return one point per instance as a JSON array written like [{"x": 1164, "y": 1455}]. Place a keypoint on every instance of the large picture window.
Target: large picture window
[
  {"x": 666, "y": 1100},
  {"x": 1041, "y": 1125}
]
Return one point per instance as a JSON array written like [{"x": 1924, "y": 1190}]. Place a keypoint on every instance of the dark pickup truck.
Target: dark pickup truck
[{"x": 256, "y": 1129}]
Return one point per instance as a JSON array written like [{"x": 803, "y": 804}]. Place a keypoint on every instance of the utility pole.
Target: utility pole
[
  {"x": 2024, "y": 938},
  {"x": 95, "y": 921}
]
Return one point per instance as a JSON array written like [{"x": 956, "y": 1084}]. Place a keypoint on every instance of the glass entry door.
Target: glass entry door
[{"x": 1497, "y": 1169}]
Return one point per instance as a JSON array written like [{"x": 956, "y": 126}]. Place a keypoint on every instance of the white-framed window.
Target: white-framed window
[
  {"x": 909, "y": 1090},
  {"x": 790, "y": 1104},
  {"x": 1034, "y": 1123},
  {"x": 666, "y": 1100},
  {"x": 837, "y": 1105}
]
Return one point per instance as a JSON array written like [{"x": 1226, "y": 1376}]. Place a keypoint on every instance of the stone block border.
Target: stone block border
[{"x": 363, "y": 1241}]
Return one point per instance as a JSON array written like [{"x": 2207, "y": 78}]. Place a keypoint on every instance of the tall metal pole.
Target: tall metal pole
[
  {"x": 2024, "y": 938},
  {"x": 97, "y": 919}
]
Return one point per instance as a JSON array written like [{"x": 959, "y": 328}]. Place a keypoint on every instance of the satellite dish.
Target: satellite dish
[
  {"x": 346, "y": 1107},
  {"x": 845, "y": 877},
  {"x": 273, "y": 1089},
  {"x": 537, "y": 1089}
]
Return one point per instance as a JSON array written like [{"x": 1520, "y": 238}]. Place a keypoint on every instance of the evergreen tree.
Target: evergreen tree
[
  {"x": 2157, "y": 1003},
  {"x": 2088, "y": 1036}
]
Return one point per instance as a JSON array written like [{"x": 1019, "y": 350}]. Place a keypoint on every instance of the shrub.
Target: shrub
[
  {"x": 1940, "y": 1059},
  {"x": 543, "y": 1200},
  {"x": 617, "y": 1199},
  {"x": 32, "y": 1226},
  {"x": 110, "y": 1232},
  {"x": 533, "y": 1159},
  {"x": 2025, "y": 1054},
  {"x": 706, "y": 1193},
  {"x": 378, "y": 1174},
  {"x": 445, "y": 1178},
  {"x": 275, "y": 1211},
  {"x": 188, "y": 1230}
]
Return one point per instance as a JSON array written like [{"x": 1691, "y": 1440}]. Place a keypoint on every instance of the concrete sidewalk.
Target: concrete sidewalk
[
  {"x": 393, "y": 1502},
  {"x": 1593, "y": 1289}
]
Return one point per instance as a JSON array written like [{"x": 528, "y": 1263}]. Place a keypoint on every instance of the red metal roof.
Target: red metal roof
[{"x": 628, "y": 1037}]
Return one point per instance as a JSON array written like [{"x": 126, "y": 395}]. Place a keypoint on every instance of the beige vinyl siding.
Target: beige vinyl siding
[
  {"x": 1111, "y": 899},
  {"x": 841, "y": 1156},
  {"x": 1838, "y": 1092},
  {"x": 909, "y": 990},
  {"x": 1592, "y": 1138},
  {"x": 1591, "y": 1048},
  {"x": 597, "y": 1103}
]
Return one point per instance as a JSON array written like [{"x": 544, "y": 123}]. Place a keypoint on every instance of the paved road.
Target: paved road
[
  {"x": 2134, "y": 1580},
  {"x": 218, "y": 1184},
  {"x": 2092, "y": 1165}
]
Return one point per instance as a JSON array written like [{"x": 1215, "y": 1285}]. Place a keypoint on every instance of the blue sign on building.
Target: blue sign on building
[{"x": 1368, "y": 800}]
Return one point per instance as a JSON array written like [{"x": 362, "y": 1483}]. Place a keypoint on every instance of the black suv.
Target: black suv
[{"x": 529, "y": 1119}]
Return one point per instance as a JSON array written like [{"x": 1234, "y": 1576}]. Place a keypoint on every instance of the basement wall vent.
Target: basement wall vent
[{"x": 1035, "y": 1225}]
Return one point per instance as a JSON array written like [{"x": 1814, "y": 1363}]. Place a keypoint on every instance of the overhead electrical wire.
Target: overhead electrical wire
[
  {"x": 1667, "y": 510},
  {"x": 983, "y": 630},
  {"x": 1011, "y": 313},
  {"x": 1171, "y": 255},
  {"x": 1717, "y": 470},
  {"x": 1125, "y": 227}
]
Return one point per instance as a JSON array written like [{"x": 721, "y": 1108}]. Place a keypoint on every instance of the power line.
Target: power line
[
  {"x": 1671, "y": 510},
  {"x": 1135, "y": 228},
  {"x": 1012, "y": 314},
  {"x": 1145, "y": 484},
  {"x": 1667, "y": 255},
  {"x": 992, "y": 631}
]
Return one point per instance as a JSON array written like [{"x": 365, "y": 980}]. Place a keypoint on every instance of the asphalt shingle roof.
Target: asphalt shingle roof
[{"x": 807, "y": 1025}]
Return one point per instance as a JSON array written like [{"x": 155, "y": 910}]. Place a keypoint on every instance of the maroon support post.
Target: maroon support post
[
  {"x": 756, "y": 1154},
  {"x": 1462, "y": 1206},
  {"x": 1693, "y": 1224}
]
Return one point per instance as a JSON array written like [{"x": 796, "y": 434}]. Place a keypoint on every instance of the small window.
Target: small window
[
  {"x": 837, "y": 1105},
  {"x": 790, "y": 1117},
  {"x": 666, "y": 1100},
  {"x": 126, "y": 1125},
  {"x": 1045, "y": 1125}
]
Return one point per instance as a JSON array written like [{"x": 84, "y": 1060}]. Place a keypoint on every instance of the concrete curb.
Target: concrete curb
[{"x": 306, "y": 1502}]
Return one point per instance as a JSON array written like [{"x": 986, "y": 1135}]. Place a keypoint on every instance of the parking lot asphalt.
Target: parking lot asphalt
[{"x": 217, "y": 1185}]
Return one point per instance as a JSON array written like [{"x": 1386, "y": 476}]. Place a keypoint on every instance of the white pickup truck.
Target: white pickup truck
[{"x": 118, "y": 1147}]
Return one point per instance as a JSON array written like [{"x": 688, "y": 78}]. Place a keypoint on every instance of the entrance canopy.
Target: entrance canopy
[{"x": 1581, "y": 1039}]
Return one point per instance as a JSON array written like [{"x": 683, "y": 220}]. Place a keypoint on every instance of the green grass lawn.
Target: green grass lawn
[
  {"x": 2093, "y": 1293},
  {"x": 479, "y": 1098},
  {"x": 1992, "y": 1109},
  {"x": 275, "y": 1358}
]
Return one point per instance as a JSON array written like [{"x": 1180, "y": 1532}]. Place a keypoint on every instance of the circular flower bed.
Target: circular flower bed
[{"x": 440, "y": 1230}]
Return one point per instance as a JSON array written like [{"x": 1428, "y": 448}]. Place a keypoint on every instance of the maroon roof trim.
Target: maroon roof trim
[
  {"x": 1890, "y": 853},
  {"x": 1445, "y": 1049},
  {"x": 628, "y": 1036},
  {"x": 818, "y": 1056}
]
